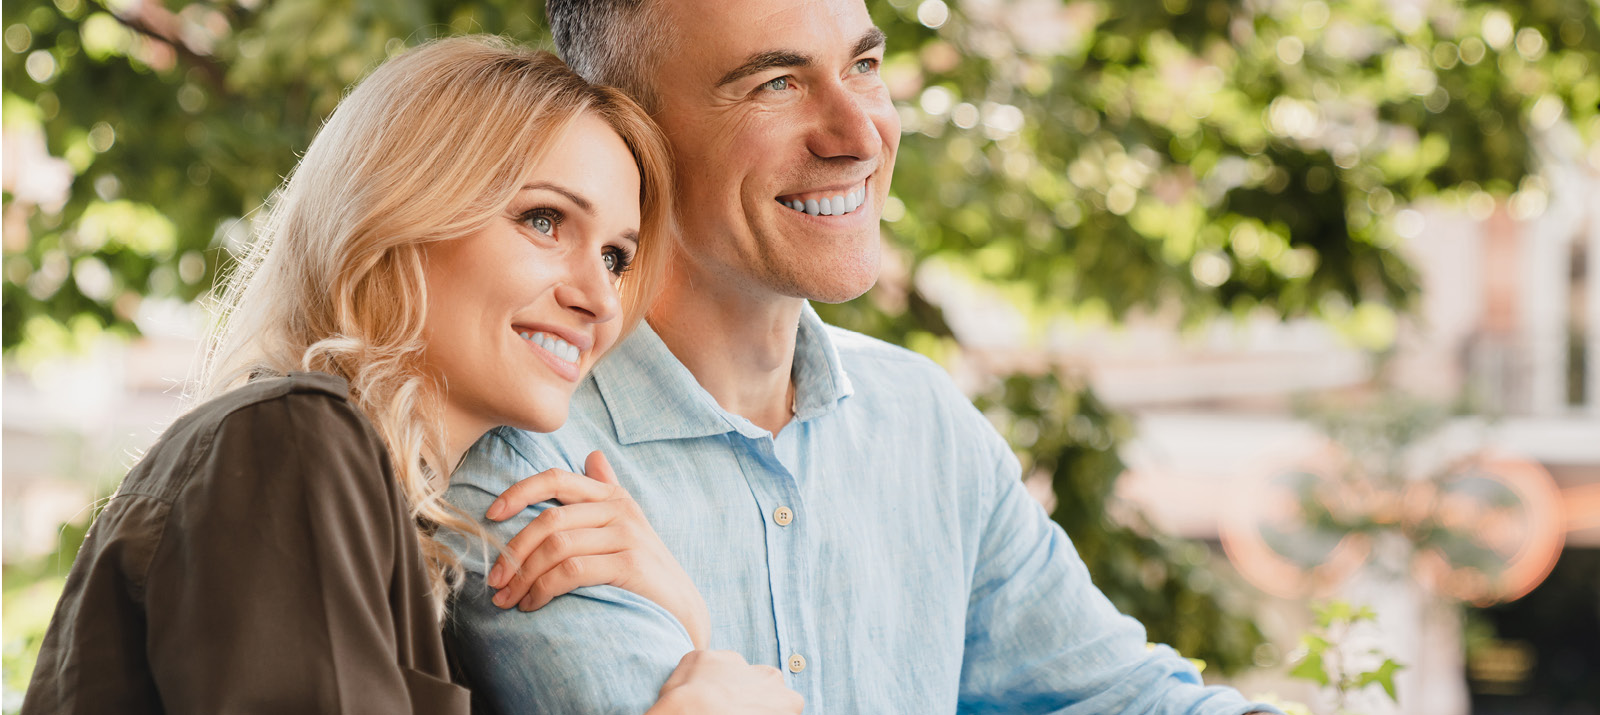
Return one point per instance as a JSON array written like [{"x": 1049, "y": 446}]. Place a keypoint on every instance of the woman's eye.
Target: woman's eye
[
  {"x": 542, "y": 220},
  {"x": 616, "y": 260},
  {"x": 776, "y": 85}
]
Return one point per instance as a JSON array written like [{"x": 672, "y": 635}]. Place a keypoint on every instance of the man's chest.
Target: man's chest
[{"x": 845, "y": 551}]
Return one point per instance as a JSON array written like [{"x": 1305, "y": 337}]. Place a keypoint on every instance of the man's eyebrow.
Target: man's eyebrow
[
  {"x": 574, "y": 197},
  {"x": 870, "y": 40},
  {"x": 763, "y": 61}
]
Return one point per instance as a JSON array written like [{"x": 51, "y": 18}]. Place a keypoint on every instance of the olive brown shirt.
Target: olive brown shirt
[{"x": 260, "y": 559}]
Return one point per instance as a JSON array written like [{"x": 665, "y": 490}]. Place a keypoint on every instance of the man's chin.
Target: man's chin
[
  {"x": 839, "y": 282},
  {"x": 841, "y": 297}
]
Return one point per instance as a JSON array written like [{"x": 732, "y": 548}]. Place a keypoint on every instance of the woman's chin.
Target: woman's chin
[{"x": 548, "y": 418}]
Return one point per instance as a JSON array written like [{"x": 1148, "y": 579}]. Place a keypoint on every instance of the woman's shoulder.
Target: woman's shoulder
[
  {"x": 266, "y": 419},
  {"x": 332, "y": 393}
]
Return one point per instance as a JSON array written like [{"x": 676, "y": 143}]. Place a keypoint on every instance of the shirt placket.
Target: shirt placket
[{"x": 777, "y": 494}]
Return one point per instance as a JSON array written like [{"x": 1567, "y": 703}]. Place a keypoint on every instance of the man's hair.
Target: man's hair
[{"x": 610, "y": 42}]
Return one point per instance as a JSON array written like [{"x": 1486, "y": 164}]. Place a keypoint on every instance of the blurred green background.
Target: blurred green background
[{"x": 1085, "y": 159}]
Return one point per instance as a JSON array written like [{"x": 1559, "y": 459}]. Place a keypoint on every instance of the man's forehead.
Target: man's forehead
[{"x": 718, "y": 35}]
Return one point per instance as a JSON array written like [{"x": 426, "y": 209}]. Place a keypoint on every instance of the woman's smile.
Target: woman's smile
[{"x": 563, "y": 357}]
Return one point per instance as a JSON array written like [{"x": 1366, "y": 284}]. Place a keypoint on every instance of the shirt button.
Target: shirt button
[
  {"x": 797, "y": 663},
  {"x": 783, "y": 515}
]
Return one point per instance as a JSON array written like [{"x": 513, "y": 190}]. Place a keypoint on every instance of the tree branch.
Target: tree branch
[{"x": 149, "y": 18}]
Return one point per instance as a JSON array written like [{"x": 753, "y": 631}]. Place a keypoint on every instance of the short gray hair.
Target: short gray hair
[{"x": 610, "y": 42}]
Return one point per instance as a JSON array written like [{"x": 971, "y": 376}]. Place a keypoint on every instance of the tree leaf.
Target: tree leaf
[{"x": 1311, "y": 669}]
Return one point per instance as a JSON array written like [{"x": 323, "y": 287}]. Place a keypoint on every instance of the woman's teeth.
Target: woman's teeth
[
  {"x": 552, "y": 344},
  {"x": 830, "y": 206}
]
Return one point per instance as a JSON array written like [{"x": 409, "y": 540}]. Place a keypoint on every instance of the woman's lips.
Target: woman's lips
[{"x": 546, "y": 346}]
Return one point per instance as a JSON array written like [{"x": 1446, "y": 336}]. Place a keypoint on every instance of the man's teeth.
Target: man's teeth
[
  {"x": 831, "y": 205},
  {"x": 552, "y": 344}
]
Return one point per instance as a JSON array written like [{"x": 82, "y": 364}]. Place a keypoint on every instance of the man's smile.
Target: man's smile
[{"x": 827, "y": 202}]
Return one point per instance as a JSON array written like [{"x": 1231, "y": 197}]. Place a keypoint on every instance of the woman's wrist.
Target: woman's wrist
[{"x": 697, "y": 621}]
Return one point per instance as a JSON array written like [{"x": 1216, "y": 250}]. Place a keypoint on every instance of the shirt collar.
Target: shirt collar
[
  {"x": 652, "y": 396},
  {"x": 821, "y": 380}
]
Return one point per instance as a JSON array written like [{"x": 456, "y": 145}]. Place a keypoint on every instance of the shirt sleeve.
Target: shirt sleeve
[
  {"x": 272, "y": 589},
  {"x": 1041, "y": 638},
  {"x": 595, "y": 650}
]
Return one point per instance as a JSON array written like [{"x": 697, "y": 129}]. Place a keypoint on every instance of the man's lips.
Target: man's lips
[{"x": 831, "y": 201}]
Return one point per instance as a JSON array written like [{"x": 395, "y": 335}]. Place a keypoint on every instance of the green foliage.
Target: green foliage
[
  {"x": 176, "y": 124},
  {"x": 1221, "y": 158},
  {"x": 1326, "y": 662},
  {"x": 1099, "y": 156}
]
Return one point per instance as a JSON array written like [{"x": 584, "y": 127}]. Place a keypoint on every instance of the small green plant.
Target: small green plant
[{"x": 1326, "y": 661}]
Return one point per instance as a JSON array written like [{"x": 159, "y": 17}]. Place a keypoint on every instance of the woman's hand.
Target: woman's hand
[
  {"x": 597, "y": 536},
  {"x": 719, "y": 681}
]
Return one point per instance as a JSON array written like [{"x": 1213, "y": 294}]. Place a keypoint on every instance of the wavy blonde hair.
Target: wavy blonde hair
[{"x": 432, "y": 146}]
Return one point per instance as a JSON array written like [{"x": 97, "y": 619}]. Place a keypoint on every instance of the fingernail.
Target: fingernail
[
  {"x": 502, "y": 598},
  {"x": 496, "y": 507},
  {"x": 495, "y": 574}
]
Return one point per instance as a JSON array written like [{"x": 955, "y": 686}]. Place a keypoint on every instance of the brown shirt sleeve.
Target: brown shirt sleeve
[{"x": 286, "y": 575}]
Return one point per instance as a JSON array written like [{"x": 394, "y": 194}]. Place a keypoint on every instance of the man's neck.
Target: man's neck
[{"x": 739, "y": 346}]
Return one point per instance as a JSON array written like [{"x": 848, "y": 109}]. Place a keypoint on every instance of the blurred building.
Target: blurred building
[
  {"x": 1507, "y": 333},
  {"x": 74, "y": 425}
]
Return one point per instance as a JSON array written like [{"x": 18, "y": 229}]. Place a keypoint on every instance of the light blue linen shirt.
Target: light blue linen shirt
[{"x": 915, "y": 574}]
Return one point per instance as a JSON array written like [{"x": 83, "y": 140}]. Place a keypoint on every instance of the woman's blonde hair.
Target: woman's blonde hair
[{"x": 430, "y": 147}]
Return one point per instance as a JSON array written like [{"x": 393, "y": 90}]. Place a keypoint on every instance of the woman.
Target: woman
[{"x": 471, "y": 230}]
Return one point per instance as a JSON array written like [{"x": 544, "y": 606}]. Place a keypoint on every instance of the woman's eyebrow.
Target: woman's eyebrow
[{"x": 574, "y": 197}]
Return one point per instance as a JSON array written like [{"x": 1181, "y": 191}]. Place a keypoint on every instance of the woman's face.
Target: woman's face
[{"x": 519, "y": 311}]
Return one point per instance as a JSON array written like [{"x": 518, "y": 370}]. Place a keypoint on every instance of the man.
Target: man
[{"x": 846, "y": 513}]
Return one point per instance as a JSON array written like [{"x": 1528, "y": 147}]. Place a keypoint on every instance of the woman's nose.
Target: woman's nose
[{"x": 589, "y": 289}]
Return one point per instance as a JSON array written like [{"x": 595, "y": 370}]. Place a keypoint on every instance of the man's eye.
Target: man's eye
[
  {"x": 776, "y": 85},
  {"x": 866, "y": 65}
]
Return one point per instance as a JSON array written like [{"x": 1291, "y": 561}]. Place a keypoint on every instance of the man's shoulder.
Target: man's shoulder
[
  {"x": 876, "y": 367},
  {"x": 857, "y": 350},
  {"x": 892, "y": 382},
  {"x": 505, "y": 451},
  {"x": 506, "y": 454}
]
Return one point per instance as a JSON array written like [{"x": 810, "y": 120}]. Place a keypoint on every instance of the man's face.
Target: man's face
[{"x": 773, "y": 107}]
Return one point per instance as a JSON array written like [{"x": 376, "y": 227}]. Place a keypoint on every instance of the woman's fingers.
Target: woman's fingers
[
  {"x": 560, "y": 547},
  {"x": 598, "y": 536},
  {"x": 599, "y": 468},
  {"x": 557, "y": 484},
  {"x": 575, "y": 572},
  {"x": 582, "y": 515}
]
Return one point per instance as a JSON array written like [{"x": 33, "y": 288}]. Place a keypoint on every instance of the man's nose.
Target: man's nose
[
  {"x": 845, "y": 125},
  {"x": 589, "y": 289}
]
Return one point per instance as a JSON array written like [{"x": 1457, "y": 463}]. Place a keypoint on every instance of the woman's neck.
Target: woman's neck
[{"x": 461, "y": 431}]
